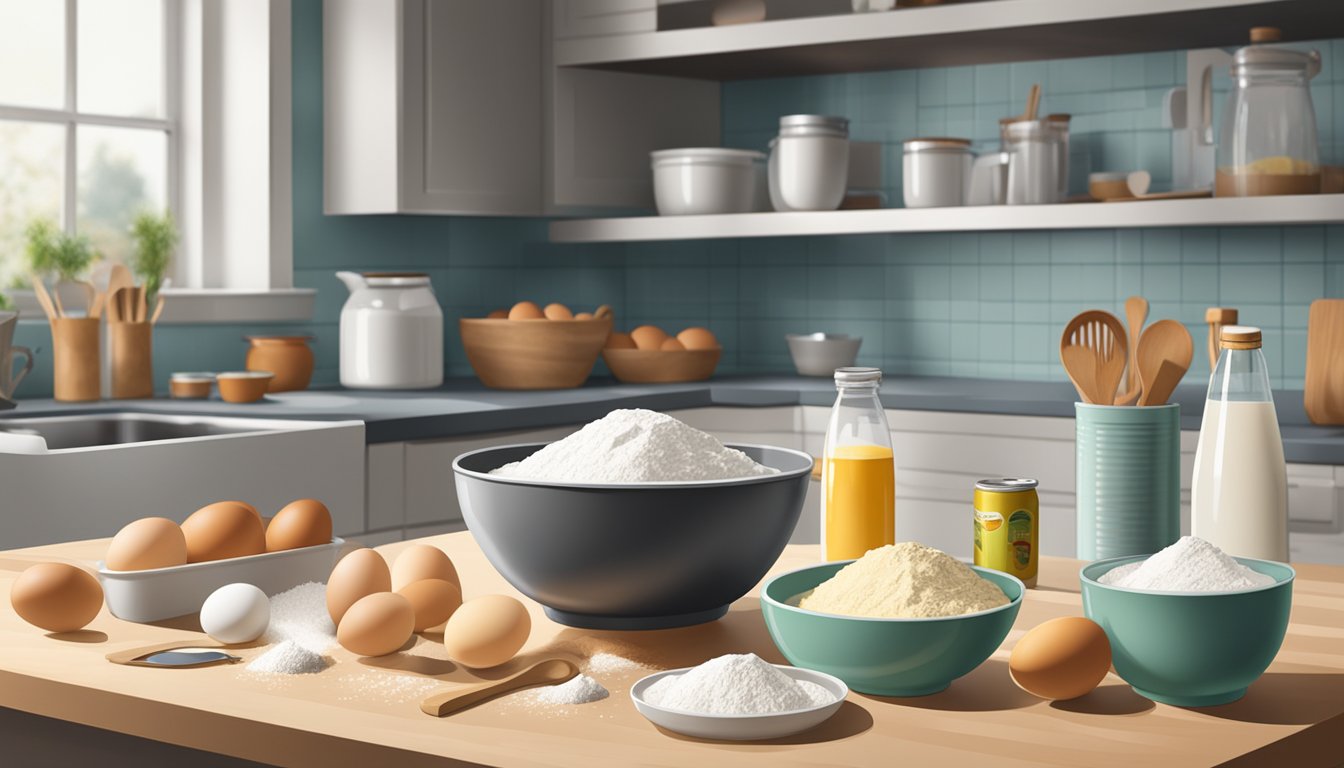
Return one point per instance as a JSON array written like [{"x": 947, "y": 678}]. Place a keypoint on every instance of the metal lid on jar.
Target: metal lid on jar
[
  {"x": 937, "y": 144},
  {"x": 813, "y": 125},
  {"x": 1006, "y": 484},
  {"x": 1239, "y": 337},
  {"x": 1261, "y": 58},
  {"x": 856, "y": 375}
]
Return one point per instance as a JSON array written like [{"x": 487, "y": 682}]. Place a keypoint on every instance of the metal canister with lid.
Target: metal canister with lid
[{"x": 1007, "y": 526}]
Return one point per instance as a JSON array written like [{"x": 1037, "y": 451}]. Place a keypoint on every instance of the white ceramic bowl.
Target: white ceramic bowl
[
  {"x": 819, "y": 354},
  {"x": 707, "y": 180},
  {"x": 742, "y": 727},
  {"x": 163, "y": 593}
]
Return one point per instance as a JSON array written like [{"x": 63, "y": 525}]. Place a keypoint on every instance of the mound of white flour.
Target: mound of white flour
[
  {"x": 736, "y": 684},
  {"x": 635, "y": 446},
  {"x": 1190, "y": 565}
]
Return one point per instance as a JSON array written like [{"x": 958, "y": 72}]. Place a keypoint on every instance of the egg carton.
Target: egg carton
[{"x": 165, "y": 593}]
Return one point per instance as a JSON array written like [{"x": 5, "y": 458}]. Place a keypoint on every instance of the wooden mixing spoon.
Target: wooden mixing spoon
[
  {"x": 1101, "y": 333},
  {"x": 544, "y": 672},
  {"x": 1165, "y": 351}
]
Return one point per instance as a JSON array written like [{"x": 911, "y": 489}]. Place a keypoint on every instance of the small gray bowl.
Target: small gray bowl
[
  {"x": 639, "y": 556},
  {"x": 819, "y": 354}
]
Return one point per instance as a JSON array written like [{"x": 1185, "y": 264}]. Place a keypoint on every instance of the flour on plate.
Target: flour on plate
[{"x": 736, "y": 684}]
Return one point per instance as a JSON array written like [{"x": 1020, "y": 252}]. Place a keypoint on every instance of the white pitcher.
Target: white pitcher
[
  {"x": 9, "y": 381},
  {"x": 391, "y": 332}
]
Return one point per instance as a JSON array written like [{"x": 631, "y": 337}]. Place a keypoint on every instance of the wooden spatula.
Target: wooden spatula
[
  {"x": 545, "y": 672},
  {"x": 1101, "y": 333},
  {"x": 1165, "y": 351},
  {"x": 1136, "y": 312},
  {"x": 1217, "y": 317},
  {"x": 1324, "y": 390}
]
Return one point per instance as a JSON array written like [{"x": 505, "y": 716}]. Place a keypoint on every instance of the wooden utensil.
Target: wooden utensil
[
  {"x": 1175, "y": 194},
  {"x": 1136, "y": 312},
  {"x": 133, "y": 656},
  {"x": 1033, "y": 102},
  {"x": 44, "y": 298},
  {"x": 1102, "y": 333},
  {"x": 141, "y": 305},
  {"x": 158, "y": 310},
  {"x": 1165, "y": 351},
  {"x": 1324, "y": 390},
  {"x": 1081, "y": 365},
  {"x": 119, "y": 277},
  {"x": 1217, "y": 317},
  {"x": 545, "y": 672}
]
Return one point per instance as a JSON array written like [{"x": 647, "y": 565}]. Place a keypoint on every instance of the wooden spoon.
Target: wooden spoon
[
  {"x": 118, "y": 278},
  {"x": 1165, "y": 351},
  {"x": 1217, "y": 317},
  {"x": 1081, "y": 365},
  {"x": 1033, "y": 102},
  {"x": 545, "y": 672},
  {"x": 1101, "y": 333},
  {"x": 1136, "y": 312},
  {"x": 44, "y": 298}
]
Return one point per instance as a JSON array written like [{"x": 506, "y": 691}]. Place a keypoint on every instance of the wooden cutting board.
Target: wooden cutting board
[{"x": 1324, "y": 395}]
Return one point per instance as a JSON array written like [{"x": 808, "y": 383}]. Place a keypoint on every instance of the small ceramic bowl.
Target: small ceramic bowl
[
  {"x": 244, "y": 386},
  {"x": 191, "y": 386},
  {"x": 819, "y": 354},
  {"x": 1190, "y": 649},
  {"x": 1109, "y": 186},
  {"x": 741, "y": 727}
]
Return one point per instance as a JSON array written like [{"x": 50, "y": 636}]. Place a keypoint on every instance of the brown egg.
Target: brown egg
[
  {"x": 486, "y": 631},
  {"x": 648, "y": 337},
  {"x": 672, "y": 345},
  {"x": 618, "y": 340},
  {"x": 526, "y": 310},
  {"x": 433, "y": 601},
  {"x": 498, "y": 314},
  {"x": 603, "y": 311},
  {"x": 557, "y": 312},
  {"x": 376, "y": 625},
  {"x": 423, "y": 561},
  {"x": 302, "y": 523},
  {"x": 583, "y": 316},
  {"x": 698, "y": 338},
  {"x": 1063, "y": 658},
  {"x": 57, "y": 597},
  {"x": 359, "y": 574},
  {"x": 150, "y": 542},
  {"x": 222, "y": 530}
]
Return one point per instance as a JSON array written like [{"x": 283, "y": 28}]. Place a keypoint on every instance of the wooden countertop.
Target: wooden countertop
[{"x": 365, "y": 711}]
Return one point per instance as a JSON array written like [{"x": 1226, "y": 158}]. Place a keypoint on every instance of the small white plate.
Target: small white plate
[{"x": 742, "y": 727}]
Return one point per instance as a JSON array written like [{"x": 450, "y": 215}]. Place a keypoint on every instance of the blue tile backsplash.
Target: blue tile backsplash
[{"x": 983, "y": 305}]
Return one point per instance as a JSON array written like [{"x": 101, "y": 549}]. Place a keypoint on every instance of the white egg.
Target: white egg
[{"x": 236, "y": 613}]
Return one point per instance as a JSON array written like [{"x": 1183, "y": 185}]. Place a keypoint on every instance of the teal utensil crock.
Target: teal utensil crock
[{"x": 1128, "y": 479}]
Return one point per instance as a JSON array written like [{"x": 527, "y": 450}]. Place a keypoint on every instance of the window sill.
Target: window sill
[{"x": 187, "y": 306}]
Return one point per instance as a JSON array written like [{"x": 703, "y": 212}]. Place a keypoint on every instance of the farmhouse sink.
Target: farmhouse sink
[{"x": 63, "y": 432}]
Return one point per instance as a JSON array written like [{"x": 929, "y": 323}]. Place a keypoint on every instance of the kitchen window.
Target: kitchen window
[{"x": 111, "y": 107}]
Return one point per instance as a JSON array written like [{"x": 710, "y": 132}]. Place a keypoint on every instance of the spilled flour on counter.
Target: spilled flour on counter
[
  {"x": 904, "y": 581},
  {"x": 300, "y": 614},
  {"x": 289, "y": 658},
  {"x": 1190, "y": 565},
  {"x": 736, "y": 684},
  {"x": 635, "y": 446},
  {"x": 582, "y": 689}
]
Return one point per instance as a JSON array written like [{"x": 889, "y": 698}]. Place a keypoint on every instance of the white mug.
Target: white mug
[{"x": 9, "y": 381}]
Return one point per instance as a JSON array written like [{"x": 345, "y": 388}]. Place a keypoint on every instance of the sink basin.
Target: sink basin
[{"x": 62, "y": 432}]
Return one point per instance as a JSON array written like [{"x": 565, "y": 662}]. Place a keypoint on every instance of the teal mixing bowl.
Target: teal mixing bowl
[
  {"x": 885, "y": 657},
  {"x": 1190, "y": 649}
]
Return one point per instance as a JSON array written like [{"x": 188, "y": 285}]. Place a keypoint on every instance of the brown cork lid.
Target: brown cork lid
[{"x": 1239, "y": 337}]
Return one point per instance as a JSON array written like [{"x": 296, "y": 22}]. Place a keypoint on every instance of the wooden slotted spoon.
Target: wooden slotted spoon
[
  {"x": 1136, "y": 312},
  {"x": 1165, "y": 351},
  {"x": 1101, "y": 334}
]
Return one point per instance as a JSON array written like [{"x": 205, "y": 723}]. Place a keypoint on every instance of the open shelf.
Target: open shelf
[
  {"x": 987, "y": 31},
  {"x": 1206, "y": 212}
]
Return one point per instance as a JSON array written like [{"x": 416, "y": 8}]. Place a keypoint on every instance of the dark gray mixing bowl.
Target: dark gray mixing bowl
[{"x": 645, "y": 556}]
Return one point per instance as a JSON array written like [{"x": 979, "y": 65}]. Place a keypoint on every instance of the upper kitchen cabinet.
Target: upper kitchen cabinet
[
  {"x": 454, "y": 107},
  {"x": 433, "y": 107}
]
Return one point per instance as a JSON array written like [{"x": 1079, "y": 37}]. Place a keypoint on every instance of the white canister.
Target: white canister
[
  {"x": 936, "y": 172},
  {"x": 705, "y": 180},
  {"x": 1034, "y": 172},
  {"x": 809, "y": 163},
  {"x": 391, "y": 332}
]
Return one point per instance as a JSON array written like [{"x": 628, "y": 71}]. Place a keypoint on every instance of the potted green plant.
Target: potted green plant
[
  {"x": 155, "y": 237},
  {"x": 66, "y": 256}
]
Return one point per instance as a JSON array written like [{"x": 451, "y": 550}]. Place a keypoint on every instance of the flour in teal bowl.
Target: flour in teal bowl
[{"x": 1190, "y": 565}]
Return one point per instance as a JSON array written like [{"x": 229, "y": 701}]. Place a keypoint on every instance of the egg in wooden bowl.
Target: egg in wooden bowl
[
  {"x": 532, "y": 347},
  {"x": 649, "y": 355}
]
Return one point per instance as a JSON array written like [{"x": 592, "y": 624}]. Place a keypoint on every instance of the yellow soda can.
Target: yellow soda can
[{"x": 1008, "y": 526}]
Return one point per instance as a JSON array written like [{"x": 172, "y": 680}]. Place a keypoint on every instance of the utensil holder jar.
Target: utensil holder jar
[
  {"x": 75, "y": 358},
  {"x": 132, "y": 360},
  {"x": 1128, "y": 479}
]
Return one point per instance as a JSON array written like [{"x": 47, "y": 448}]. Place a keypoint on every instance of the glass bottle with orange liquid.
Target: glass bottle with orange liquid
[{"x": 858, "y": 470}]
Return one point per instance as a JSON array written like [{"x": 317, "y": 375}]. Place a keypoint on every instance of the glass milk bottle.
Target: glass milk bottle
[
  {"x": 1239, "y": 500},
  {"x": 858, "y": 470}
]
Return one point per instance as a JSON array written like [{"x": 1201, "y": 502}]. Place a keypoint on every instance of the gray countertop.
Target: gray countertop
[{"x": 464, "y": 406}]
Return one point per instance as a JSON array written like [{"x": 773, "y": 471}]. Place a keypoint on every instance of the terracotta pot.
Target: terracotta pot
[
  {"x": 243, "y": 386},
  {"x": 288, "y": 357}
]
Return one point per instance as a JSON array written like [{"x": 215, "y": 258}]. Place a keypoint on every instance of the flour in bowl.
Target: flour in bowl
[
  {"x": 736, "y": 684},
  {"x": 904, "y": 581},
  {"x": 1190, "y": 565},
  {"x": 635, "y": 446}
]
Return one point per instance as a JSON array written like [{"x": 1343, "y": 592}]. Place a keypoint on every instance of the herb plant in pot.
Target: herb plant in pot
[
  {"x": 65, "y": 256},
  {"x": 155, "y": 237}
]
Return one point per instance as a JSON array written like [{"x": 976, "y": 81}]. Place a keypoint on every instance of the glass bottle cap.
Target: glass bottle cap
[{"x": 858, "y": 375}]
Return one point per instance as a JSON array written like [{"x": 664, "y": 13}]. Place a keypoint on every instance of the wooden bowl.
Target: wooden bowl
[
  {"x": 243, "y": 386},
  {"x": 656, "y": 366},
  {"x": 533, "y": 354}
]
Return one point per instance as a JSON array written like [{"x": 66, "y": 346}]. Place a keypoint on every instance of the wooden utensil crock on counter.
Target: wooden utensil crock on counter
[
  {"x": 76, "y": 373},
  {"x": 1323, "y": 394}
]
